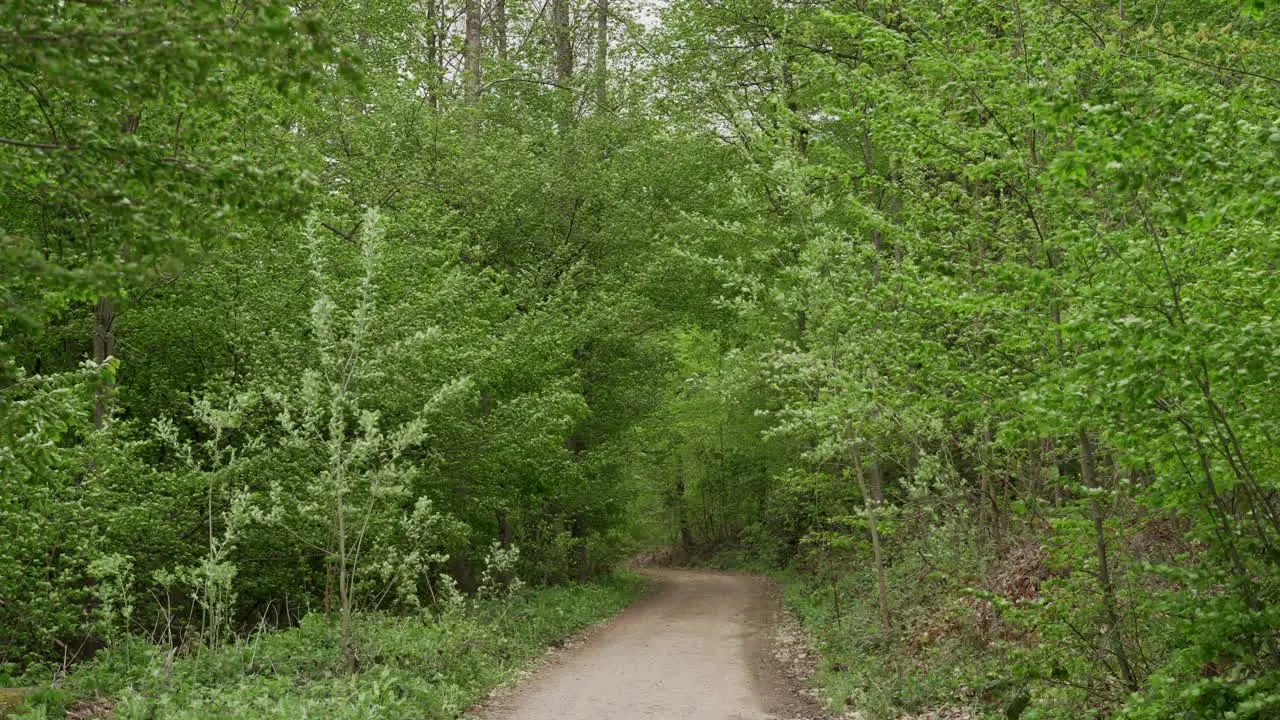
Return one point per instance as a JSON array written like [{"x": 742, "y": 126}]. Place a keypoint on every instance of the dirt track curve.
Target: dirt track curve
[{"x": 696, "y": 647}]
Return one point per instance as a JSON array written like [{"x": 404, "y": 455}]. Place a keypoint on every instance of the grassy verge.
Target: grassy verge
[
  {"x": 426, "y": 666},
  {"x": 974, "y": 635}
]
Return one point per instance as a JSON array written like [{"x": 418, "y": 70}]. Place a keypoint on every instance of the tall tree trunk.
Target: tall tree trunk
[
  {"x": 797, "y": 126},
  {"x": 602, "y": 53},
  {"x": 877, "y": 482},
  {"x": 433, "y": 54},
  {"x": 562, "y": 40},
  {"x": 472, "y": 49},
  {"x": 1089, "y": 469},
  {"x": 104, "y": 346},
  {"x": 500, "y": 27},
  {"x": 104, "y": 318}
]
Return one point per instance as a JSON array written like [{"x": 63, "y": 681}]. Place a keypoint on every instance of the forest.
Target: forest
[{"x": 350, "y": 348}]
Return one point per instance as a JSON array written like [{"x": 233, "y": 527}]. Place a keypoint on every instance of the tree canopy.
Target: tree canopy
[{"x": 966, "y": 312}]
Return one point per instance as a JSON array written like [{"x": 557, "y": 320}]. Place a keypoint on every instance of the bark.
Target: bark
[
  {"x": 602, "y": 53},
  {"x": 104, "y": 347},
  {"x": 433, "y": 53},
  {"x": 877, "y": 483},
  {"x": 472, "y": 50},
  {"x": 500, "y": 27},
  {"x": 562, "y": 41},
  {"x": 463, "y": 571}
]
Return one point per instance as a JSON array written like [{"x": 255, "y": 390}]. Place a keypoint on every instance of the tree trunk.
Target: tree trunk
[
  {"x": 562, "y": 40},
  {"x": 328, "y": 577},
  {"x": 463, "y": 571},
  {"x": 1089, "y": 470},
  {"x": 602, "y": 53},
  {"x": 877, "y": 482},
  {"x": 472, "y": 50},
  {"x": 104, "y": 317},
  {"x": 799, "y": 128},
  {"x": 104, "y": 347},
  {"x": 346, "y": 642},
  {"x": 873, "y": 506},
  {"x": 500, "y": 27},
  {"x": 433, "y": 53}
]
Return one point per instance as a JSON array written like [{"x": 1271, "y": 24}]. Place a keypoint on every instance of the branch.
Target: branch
[
  {"x": 36, "y": 146},
  {"x": 349, "y": 237},
  {"x": 531, "y": 81},
  {"x": 1224, "y": 68}
]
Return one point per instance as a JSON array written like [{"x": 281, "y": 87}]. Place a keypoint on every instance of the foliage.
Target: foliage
[
  {"x": 965, "y": 312},
  {"x": 998, "y": 272},
  {"x": 427, "y": 665}
]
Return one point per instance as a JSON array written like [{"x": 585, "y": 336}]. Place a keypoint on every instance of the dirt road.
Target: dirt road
[{"x": 696, "y": 647}]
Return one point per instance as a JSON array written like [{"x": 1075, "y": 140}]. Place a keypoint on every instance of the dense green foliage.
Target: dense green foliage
[
  {"x": 1005, "y": 276},
  {"x": 965, "y": 312}
]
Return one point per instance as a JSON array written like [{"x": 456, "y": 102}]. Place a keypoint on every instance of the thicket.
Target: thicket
[
  {"x": 1005, "y": 294},
  {"x": 966, "y": 312},
  {"x": 317, "y": 310}
]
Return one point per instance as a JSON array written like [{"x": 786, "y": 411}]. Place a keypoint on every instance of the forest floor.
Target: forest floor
[{"x": 701, "y": 645}]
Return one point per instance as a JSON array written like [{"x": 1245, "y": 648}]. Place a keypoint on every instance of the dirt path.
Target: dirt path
[{"x": 697, "y": 647}]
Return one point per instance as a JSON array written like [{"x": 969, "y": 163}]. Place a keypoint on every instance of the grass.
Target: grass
[
  {"x": 934, "y": 658},
  {"x": 424, "y": 666}
]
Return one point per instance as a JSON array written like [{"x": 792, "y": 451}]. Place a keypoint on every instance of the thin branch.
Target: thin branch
[
  {"x": 1224, "y": 68},
  {"x": 36, "y": 146},
  {"x": 531, "y": 81}
]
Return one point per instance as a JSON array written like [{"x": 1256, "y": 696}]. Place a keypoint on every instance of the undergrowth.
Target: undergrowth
[
  {"x": 430, "y": 665},
  {"x": 975, "y": 633},
  {"x": 927, "y": 664}
]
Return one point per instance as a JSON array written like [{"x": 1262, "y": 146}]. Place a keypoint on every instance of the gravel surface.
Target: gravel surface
[{"x": 701, "y": 645}]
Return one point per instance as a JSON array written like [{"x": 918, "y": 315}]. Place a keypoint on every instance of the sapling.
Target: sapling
[
  {"x": 365, "y": 464},
  {"x": 113, "y": 581},
  {"x": 212, "y": 459}
]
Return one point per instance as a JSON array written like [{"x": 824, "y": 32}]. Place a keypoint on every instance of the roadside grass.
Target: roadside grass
[
  {"x": 936, "y": 657},
  {"x": 974, "y": 635},
  {"x": 431, "y": 665}
]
